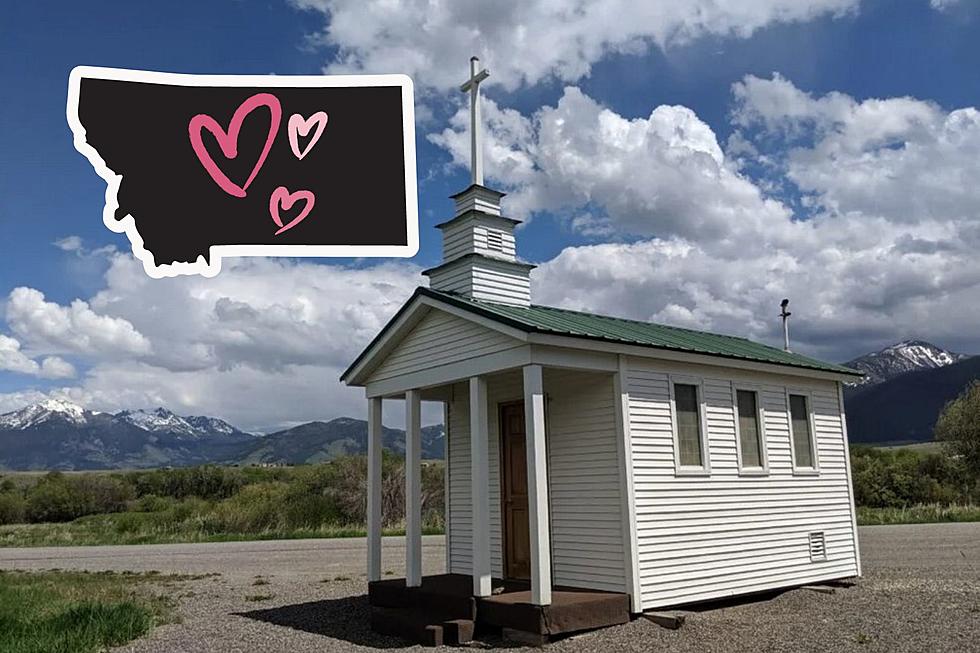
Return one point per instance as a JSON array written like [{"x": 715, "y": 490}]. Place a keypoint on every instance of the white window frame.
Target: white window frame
[
  {"x": 690, "y": 470},
  {"x": 761, "y": 418},
  {"x": 808, "y": 395}
]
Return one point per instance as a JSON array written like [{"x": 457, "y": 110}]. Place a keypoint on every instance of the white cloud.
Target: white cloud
[
  {"x": 12, "y": 359},
  {"x": 942, "y": 5},
  {"x": 262, "y": 344},
  {"x": 905, "y": 159},
  {"x": 55, "y": 367},
  {"x": 890, "y": 216},
  {"x": 527, "y": 41},
  {"x": 50, "y": 327},
  {"x": 69, "y": 243},
  {"x": 263, "y": 313},
  {"x": 11, "y": 401},
  {"x": 663, "y": 175}
]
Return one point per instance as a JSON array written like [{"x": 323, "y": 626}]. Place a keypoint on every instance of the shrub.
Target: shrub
[
  {"x": 309, "y": 512},
  {"x": 205, "y": 482},
  {"x": 341, "y": 483},
  {"x": 958, "y": 427},
  {"x": 57, "y": 497},
  {"x": 254, "y": 509},
  {"x": 131, "y": 522},
  {"x": 51, "y": 500},
  {"x": 101, "y": 494},
  {"x": 897, "y": 478},
  {"x": 153, "y": 503},
  {"x": 13, "y": 508}
]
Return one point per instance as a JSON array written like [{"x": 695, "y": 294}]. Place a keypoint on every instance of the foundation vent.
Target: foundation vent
[{"x": 818, "y": 547}]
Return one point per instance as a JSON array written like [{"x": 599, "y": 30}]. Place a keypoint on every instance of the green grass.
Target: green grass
[
  {"x": 148, "y": 528},
  {"x": 920, "y": 447},
  {"x": 920, "y": 514},
  {"x": 77, "y": 612}
]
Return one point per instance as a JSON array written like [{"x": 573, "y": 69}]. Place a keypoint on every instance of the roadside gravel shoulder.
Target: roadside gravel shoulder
[{"x": 920, "y": 592}]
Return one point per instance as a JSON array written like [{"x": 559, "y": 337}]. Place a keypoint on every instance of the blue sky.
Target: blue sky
[{"x": 837, "y": 54}]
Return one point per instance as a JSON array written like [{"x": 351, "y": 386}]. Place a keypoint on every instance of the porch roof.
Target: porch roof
[{"x": 562, "y": 322}]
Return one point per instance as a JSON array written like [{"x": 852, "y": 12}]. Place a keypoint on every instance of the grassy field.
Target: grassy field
[
  {"x": 206, "y": 504},
  {"x": 121, "y": 528},
  {"x": 72, "y": 612},
  {"x": 919, "y": 514},
  {"x": 920, "y": 447}
]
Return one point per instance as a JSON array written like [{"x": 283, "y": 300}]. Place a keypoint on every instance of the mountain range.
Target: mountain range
[
  {"x": 58, "y": 434},
  {"x": 900, "y": 358},
  {"x": 905, "y": 387}
]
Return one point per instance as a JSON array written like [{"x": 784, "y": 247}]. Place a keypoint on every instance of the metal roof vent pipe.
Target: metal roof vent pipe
[{"x": 785, "y": 315}]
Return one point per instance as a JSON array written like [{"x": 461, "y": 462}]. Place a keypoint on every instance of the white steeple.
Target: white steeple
[{"x": 479, "y": 257}]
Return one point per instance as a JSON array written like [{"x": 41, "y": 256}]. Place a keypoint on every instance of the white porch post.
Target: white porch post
[
  {"x": 413, "y": 489},
  {"x": 480, "y": 491},
  {"x": 537, "y": 485},
  {"x": 374, "y": 490}
]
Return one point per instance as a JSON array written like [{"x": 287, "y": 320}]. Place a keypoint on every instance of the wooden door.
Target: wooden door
[{"x": 516, "y": 531}]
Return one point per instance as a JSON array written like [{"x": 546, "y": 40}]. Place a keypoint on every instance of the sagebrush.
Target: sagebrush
[{"x": 204, "y": 501}]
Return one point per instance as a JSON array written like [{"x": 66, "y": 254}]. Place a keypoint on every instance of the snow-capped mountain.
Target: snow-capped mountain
[
  {"x": 58, "y": 434},
  {"x": 49, "y": 409},
  {"x": 158, "y": 420},
  {"x": 904, "y": 408},
  {"x": 212, "y": 425},
  {"x": 902, "y": 357},
  {"x": 161, "y": 420}
]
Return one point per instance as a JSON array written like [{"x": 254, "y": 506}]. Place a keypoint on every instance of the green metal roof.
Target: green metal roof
[{"x": 575, "y": 324}]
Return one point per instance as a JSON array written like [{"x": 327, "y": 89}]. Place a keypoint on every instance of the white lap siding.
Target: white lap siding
[
  {"x": 440, "y": 339},
  {"x": 704, "y": 537},
  {"x": 460, "y": 527},
  {"x": 584, "y": 483},
  {"x": 501, "y": 388}
]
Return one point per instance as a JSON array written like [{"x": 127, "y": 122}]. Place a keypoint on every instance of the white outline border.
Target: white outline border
[{"x": 127, "y": 225}]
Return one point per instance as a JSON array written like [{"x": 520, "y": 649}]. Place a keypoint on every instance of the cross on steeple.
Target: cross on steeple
[
  {"x": 479, "y": 251},
  {"x": 472, "y": 85}
]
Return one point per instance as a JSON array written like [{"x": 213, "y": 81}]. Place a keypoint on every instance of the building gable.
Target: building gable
[{"x": 439, "y": 338}]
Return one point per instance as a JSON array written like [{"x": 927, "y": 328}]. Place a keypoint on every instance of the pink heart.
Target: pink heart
[
  {"x": 282, "y": 196},
  {"x": 299, "y": 126},
  {"x": 229, "y": 141}
]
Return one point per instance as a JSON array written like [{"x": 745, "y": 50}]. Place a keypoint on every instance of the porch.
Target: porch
[
  {"x": 534, "y": 511},
  {"x": 443, "y": 610}
]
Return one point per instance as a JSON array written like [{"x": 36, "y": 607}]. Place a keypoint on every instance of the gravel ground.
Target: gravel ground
[
  {"x": 920, "y": 592},
  {"x": 300, "y": 560}
]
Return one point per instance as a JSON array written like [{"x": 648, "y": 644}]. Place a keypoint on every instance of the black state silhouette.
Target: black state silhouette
[{"x": 356, "y": 169}]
